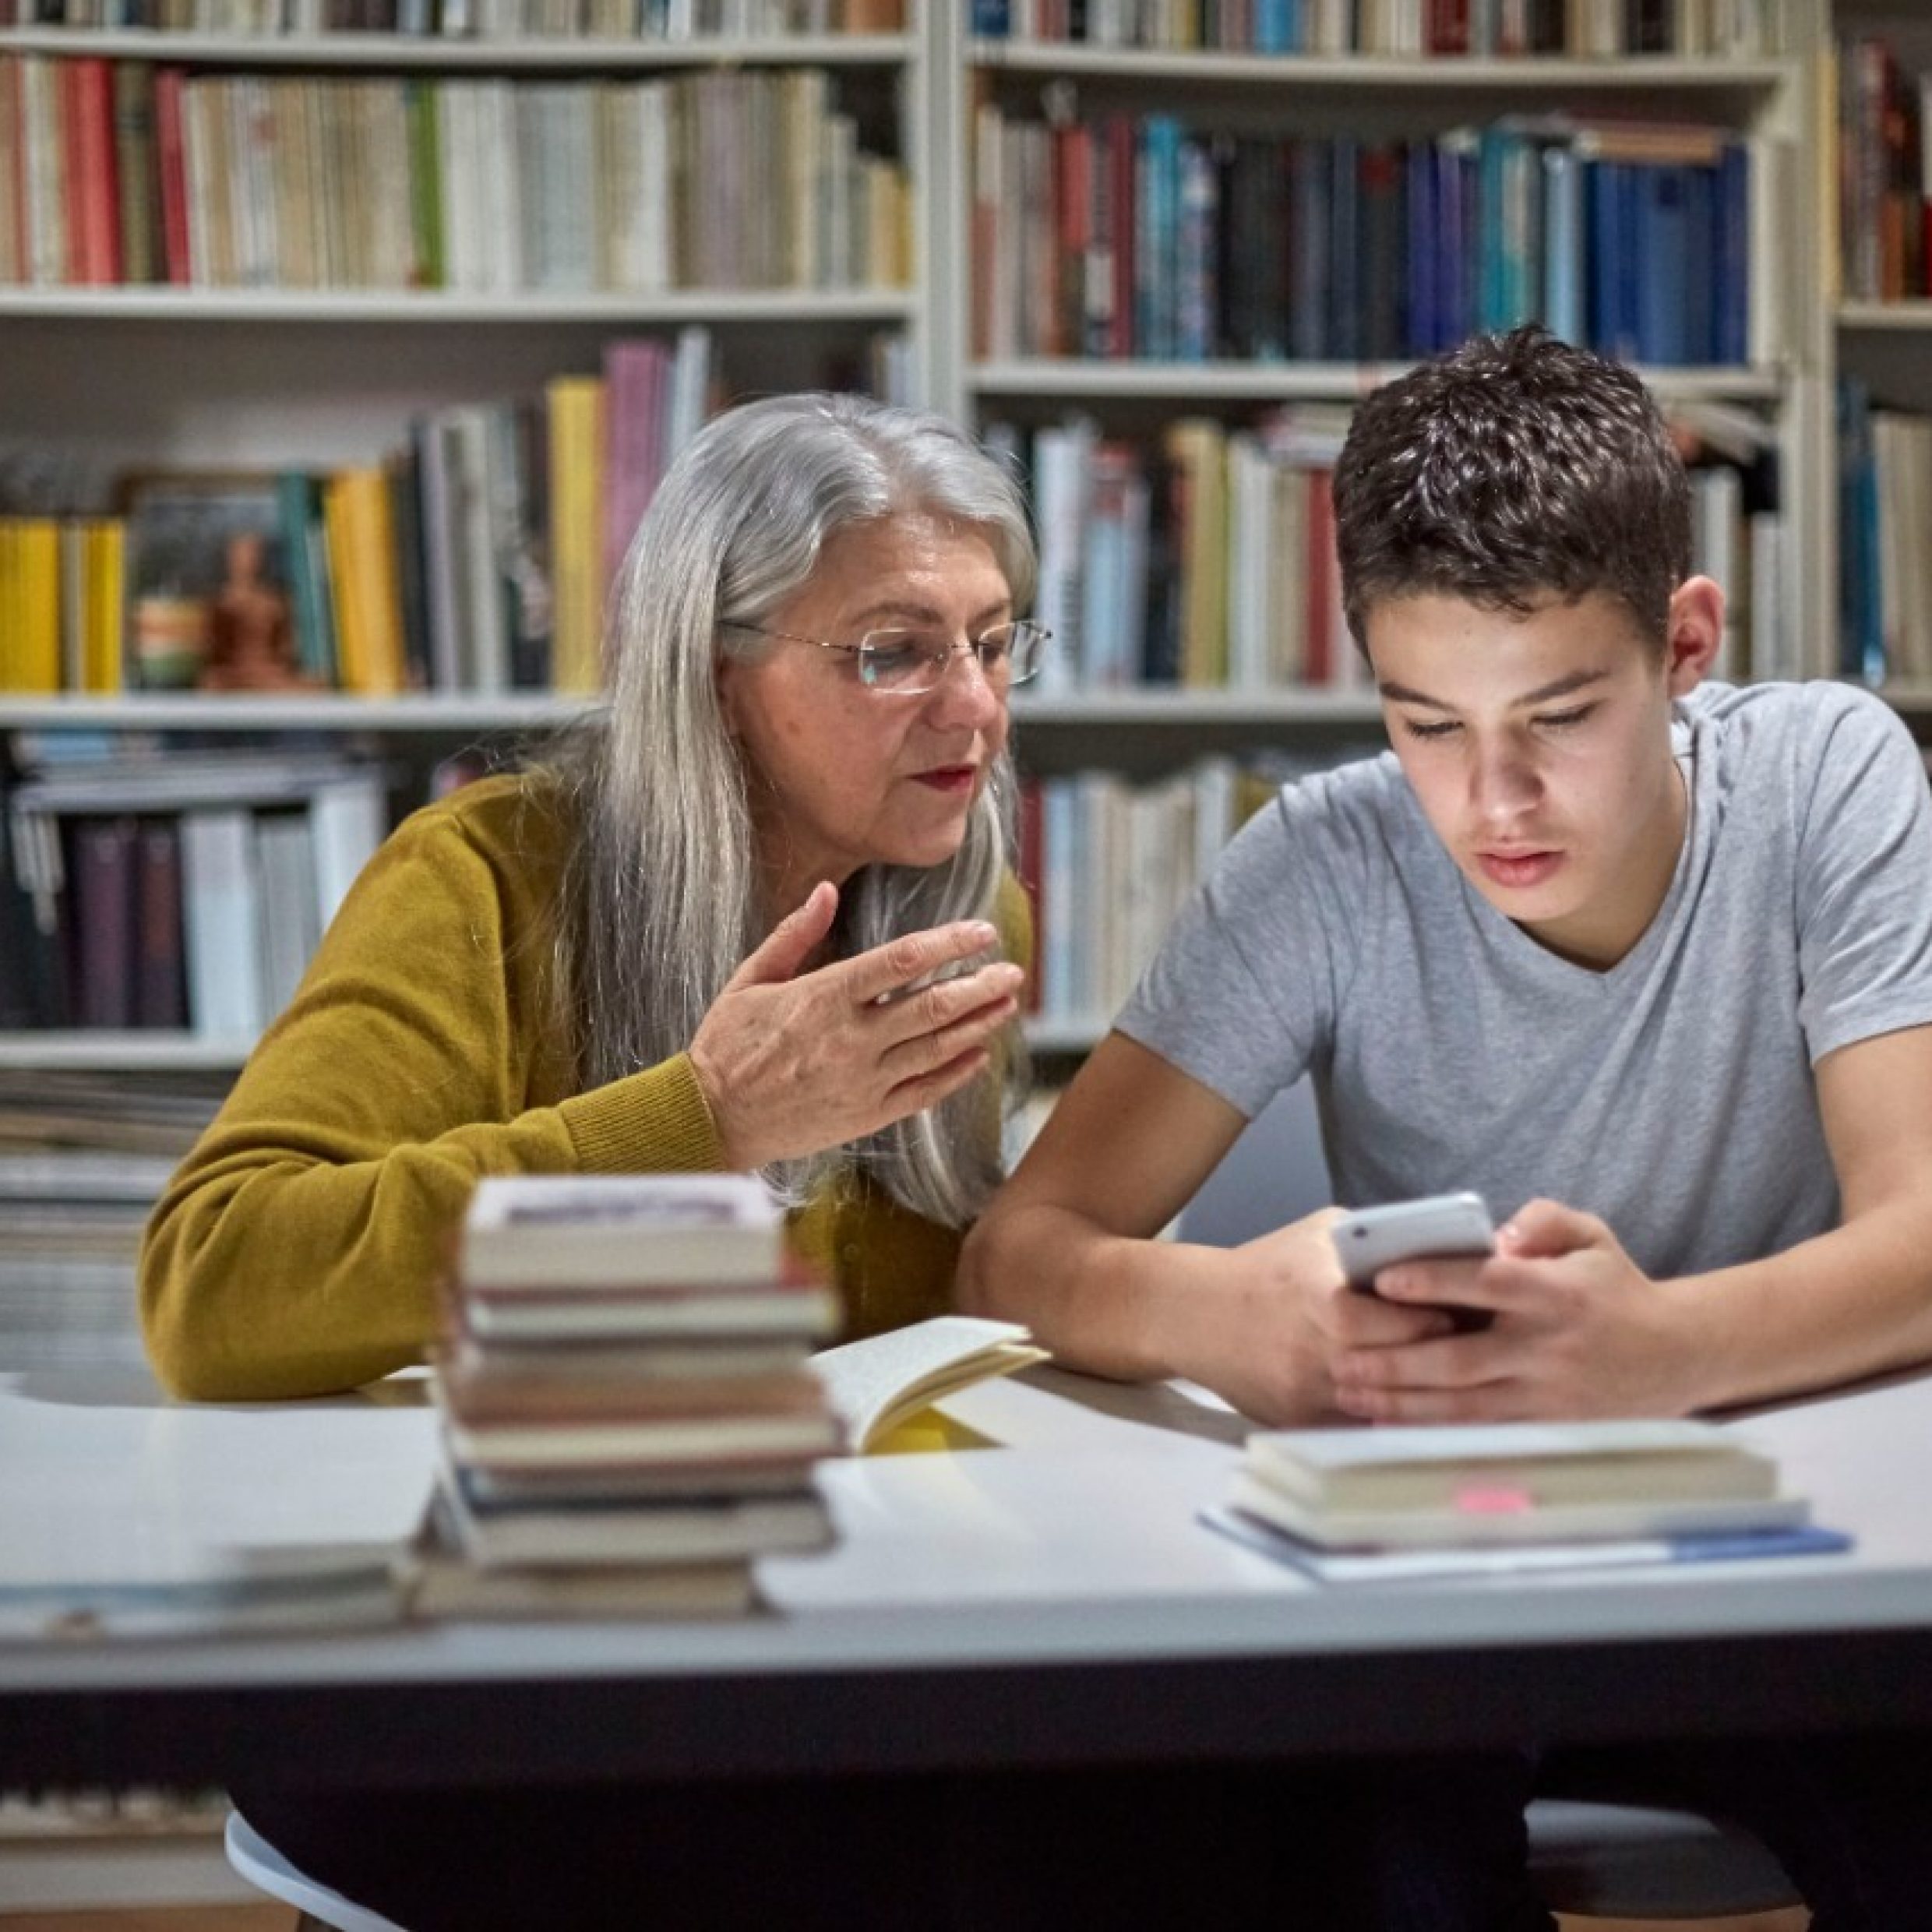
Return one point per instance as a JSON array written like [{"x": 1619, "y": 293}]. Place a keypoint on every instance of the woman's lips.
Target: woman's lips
[{"x": 949, "y": 778}]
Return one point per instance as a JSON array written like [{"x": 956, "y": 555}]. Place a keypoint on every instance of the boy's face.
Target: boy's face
[{"x": 1540, "y": 750}]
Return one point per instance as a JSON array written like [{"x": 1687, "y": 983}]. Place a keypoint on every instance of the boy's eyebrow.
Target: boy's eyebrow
[{"x": 1558, "y": 688}]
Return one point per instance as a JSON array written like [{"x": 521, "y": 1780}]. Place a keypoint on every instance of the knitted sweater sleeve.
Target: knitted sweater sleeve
[{"x": 296, "y": 1250}]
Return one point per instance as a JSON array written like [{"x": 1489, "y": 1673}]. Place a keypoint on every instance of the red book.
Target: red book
[
  {"x": 1072, "y": 199},
  {"x": 94, "y": 192},
  {"x": 76, "y": 210},
  {"x": 1119, "y": 165},
  {"x": 1449, "y": 26},
  {"x": 172, "y": 168}
]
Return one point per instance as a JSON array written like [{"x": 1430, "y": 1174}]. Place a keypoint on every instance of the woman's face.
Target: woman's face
[{"x": 842, "y": 775}]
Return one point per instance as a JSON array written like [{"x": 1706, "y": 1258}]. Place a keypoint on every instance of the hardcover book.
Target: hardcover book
[
  {"x": 534, "y": 1232},
  {"x": 1510, "y": 1482}
]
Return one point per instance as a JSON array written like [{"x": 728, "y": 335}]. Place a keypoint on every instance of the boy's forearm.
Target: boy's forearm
[
  {"x": 1112, "y": 1305},
  {"x": 1850, "y": 1303}
]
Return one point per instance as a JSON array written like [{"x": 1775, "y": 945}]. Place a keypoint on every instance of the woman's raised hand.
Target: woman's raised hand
[{"x": 792, "y": 1062}]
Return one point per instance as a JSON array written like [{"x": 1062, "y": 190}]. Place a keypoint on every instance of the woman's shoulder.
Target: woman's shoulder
[{"x": 520, "y": 815}]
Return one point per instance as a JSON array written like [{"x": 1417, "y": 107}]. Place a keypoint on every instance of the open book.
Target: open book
[{"x": 876, "y": 1384}]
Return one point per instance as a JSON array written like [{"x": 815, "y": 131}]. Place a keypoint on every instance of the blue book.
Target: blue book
[
  {"x": 1311, "y": 161},
  {"x": 1157, "y": 232},
  {"x": 1611, "y": 268},
  {"x": 1277, "y": 27},
  {"x": 1563, "y": 301},
  {"x": 991, "y": 19},
  {"x": 1661, "y": 243},
  {"x": 1197, "y": 296},
  {"x": 1448, "y": 1562},
  {"x": 1347, "y": 335},
  {"x": 1425, "y": 306},
  {"x": 1730, "y": 261},
  {"x": 1861, "y": 630}
]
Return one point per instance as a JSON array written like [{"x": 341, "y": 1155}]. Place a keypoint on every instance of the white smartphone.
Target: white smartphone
[{"x": 1373, "y": 1238}]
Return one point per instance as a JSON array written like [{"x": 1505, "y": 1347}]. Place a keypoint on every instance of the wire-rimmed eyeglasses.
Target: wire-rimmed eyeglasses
[{"x": 907, "y": 663}]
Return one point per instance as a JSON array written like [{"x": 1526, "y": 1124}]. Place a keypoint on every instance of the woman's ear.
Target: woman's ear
[
  {"x": 727, "y": 678},
  {"x": 1695, "y": 636}
]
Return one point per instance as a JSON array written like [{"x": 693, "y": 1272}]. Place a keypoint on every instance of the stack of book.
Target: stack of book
[
  {"x": 628, "y": 1419},
  {"x": 1355, "y": 1505}
]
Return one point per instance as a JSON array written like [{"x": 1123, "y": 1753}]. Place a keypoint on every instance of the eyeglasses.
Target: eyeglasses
[{"x": 906, "y": 664}]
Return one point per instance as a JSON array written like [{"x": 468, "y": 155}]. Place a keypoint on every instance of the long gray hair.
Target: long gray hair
[{"x": 661, "y": 902}]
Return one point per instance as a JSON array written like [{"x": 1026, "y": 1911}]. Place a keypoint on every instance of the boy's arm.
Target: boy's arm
[
  {"x": 1580, "y": 1330},
  {"x": 1066, "y": 1247}
]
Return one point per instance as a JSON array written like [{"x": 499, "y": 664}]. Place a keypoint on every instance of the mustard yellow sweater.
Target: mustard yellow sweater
[{"x": 296, "y": 1250}]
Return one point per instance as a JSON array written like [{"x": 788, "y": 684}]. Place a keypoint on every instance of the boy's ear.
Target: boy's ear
[{"x": 1694, "y": 635}]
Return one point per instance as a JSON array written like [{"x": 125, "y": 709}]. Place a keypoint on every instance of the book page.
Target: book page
[{"x": 875, "y": 1383}]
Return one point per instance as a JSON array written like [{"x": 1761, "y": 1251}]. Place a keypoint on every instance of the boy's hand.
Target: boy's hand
[
  {"x": 1270, "y": 1347},
  {"x": 1577, "y": 1328}
]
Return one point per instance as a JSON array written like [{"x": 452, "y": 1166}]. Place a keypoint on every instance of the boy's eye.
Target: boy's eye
[
  {"x": 1439, "y": 727},
  {"x": 1562, "y": 721}
]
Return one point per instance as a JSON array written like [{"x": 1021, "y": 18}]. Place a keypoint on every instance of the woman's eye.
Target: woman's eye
[{"x": 1441, "y": 728}]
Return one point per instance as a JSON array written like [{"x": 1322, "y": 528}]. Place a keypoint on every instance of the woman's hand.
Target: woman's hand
[{"x": 791, "y": 1062}]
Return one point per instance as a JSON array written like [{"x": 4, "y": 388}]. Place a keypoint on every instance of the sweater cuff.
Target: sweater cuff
[{"x": 654, "y": 1122}]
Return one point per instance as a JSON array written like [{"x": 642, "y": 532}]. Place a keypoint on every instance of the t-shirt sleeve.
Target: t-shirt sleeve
[
  {"x": 1242, "y": 994},
  {"x": 1864, "y": 880}
]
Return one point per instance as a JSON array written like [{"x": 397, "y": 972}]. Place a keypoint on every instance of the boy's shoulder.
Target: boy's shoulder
[{"x": 1810, "y": 713}]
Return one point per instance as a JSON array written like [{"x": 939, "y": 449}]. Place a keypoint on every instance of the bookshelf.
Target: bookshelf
[
  {"x": 1030, "y": 145},
  {"x": 1881, "y": 337},
  {"x": 246, "y": 378}
]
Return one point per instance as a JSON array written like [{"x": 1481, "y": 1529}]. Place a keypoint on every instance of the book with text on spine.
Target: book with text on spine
[{"x": 531, "y": 1232}]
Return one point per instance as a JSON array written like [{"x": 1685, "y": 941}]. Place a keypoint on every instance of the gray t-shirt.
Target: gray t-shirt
[{"x": 1671, "y": 1095}]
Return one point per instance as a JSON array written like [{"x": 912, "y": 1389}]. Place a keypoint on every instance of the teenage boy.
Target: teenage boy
[{"x": 1646, "y": 962}]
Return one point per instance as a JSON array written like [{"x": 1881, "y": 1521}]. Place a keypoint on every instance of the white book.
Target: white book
[
  {"x": 347, "y": 818},
  {"x": 876, "y": 1384},
  {"x": 568, "y": 1529},
  {"x": 537, "y": 1231},
  {"x": 221, "y": 920},
  {"x": 290, "y": 926}
]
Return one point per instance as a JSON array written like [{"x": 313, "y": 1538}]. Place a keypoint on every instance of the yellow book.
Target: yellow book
[
  {"x": 358, "y": 527},
  {"x": 1197, "y": 446},
  {"x": 352, "y": 636},
  {"x": 105, "y": 570},
  {"x": 32, "y": 661},
  {"x": 576, "y": 410}
]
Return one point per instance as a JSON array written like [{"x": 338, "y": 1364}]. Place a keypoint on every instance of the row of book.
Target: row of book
[
  {"x": 1587, "y": 28},
  {"x": 1123, "y": 235},
  {"x": 125, "y": 172},
  {"x": 1389, "y": 1505},
  {"x": 187, "y": 892},
  {"x": 475, "y": 559},
  {"x": 674, "y": 21},
  {"x": 1885, "y": 539},
  {"x": 82, "y": 1156},
  {"x": 626, "y": 1415},
  {"x": 1884, "y": 175},
  {"x": 1109, "y": 863},
  {"x": 1204, "y": 557}
]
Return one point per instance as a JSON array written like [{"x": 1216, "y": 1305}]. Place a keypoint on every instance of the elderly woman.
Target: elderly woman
[{"x": 681, "y": 943}]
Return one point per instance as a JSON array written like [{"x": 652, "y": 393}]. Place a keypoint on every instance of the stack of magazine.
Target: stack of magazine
[
  {"x": 627, "y": 1417},
  {"x": 1360, "y": 1505}
]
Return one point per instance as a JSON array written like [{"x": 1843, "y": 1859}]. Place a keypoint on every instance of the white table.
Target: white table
[{"x": 1049, "y": 1600}]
